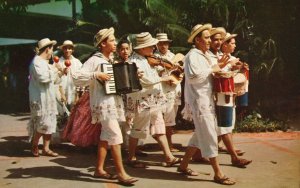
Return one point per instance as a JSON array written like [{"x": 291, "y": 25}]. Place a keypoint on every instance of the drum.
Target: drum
[
  {"x": 242, "y": 100},
  {"x": 240, "y": 83},
  {"x": 225, "y": 116},
  {"x": 225, "y": 99},
  {"x": 245, "y": 70},
  {"x": 223, "y": 82}
]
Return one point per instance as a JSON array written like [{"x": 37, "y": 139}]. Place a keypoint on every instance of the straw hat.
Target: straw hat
[
  {"x": 218, "y": 30},
  {"x": 197, "y": 29},
  {"x": 45, "y": 42},
  {"x": 144, "y": 40},
  {"x": 229, "y": 36},
  {"x": 162, "y": 37},
  {"x": 177, "y": 59},
  {"x": 67, "y": 43},
  {"x": 103, "y": 34}
]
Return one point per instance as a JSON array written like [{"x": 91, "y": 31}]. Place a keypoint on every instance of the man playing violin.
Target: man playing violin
[
  {"x": 144, "y": 107},
  {"x": 171, "y": 91}
]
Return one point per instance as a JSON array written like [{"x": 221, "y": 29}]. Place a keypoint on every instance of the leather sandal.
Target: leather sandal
[
  {"x": 187, "y": 172},
  {"x": 35, "y": 151},
  {"x": 49, "y": 153},
  {"x": 174, "y": 161},
  {"x": 241, "y": 163},
  {"x": 107, "y": 176},
  {"x": 240, "y": 152},
  {"x": 224, "y": 180},
  {"x": 128, "y": 181}
]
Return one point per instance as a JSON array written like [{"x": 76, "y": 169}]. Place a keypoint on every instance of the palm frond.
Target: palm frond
[
  {"x": 178, "y": 29},
  {"x": 270, "y": 68},
  {"x": 161, "y": 10}
]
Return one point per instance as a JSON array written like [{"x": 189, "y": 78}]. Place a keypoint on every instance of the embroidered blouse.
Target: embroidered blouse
[
  {"x": 103, "y": 106},
  {"x": 42, "y": 77},
  {"x": 151, "y": 96},
  {"x": 67, "y": 80}
]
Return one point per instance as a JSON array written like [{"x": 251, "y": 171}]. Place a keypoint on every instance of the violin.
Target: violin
[
  {"x": 156, "y": 61},
  {"x": 174, "y": 70}
]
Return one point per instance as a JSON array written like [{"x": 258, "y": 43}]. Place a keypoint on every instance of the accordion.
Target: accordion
[{"x": 124, "y": 78}]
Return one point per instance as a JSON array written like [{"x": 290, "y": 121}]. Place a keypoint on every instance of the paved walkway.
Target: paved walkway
[{"x": 276, "y": 163}]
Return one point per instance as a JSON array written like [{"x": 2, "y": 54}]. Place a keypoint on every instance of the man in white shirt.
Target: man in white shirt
[
  {"x": 67, "y": 87},
  {"x": 106, "y": 109},
  {"x": 145, "y": 107},
  {"x": 171, "y": 91},
  {"x": 227, "y": 107},
  {"x": 199, "y": 98},
  {"x": 42, "y": 77}
]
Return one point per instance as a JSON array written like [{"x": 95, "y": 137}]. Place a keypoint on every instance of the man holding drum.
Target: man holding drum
[
  {"x": 242, "y": 78},
  {"x": 225, "y": 105},
  {"x": 199, "y": 98}
]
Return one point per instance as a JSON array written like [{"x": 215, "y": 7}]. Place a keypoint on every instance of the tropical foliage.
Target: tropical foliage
[
  {"x": 255, "y": 123},
  {"x": 266, "y": 39}
]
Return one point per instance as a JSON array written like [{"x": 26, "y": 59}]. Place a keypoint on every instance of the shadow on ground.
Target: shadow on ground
[
  {"x": 18, "y": 146},
  {"x": 52, "y": 172},
  {"x": 15, "y": 146}
]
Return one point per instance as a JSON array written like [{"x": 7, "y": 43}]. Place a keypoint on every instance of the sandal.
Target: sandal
[
  {"x": 136, "y": 164},
  {"x": 241, "y": 163},
  {"x": 174, "y": 161},
  {"x": 187, "y": 172},
  {"x": 128, "y": 181},
  {"x": 107, "y": 176},
  {"x": 224, "y": 180},
  {"x": 35, "y": 151},
  {"x": 49, "y": 153},
  {"x": 240, "y": 152}
]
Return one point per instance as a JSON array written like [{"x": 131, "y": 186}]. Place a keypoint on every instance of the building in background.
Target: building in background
[{"x": 21, "y": 26}]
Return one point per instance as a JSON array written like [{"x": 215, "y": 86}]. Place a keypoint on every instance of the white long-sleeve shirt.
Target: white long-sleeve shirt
[
  {"x": 67, "y": 81},
  {"x": 198, "y": 83},
  {"x": 42, "y": 77},
  {"x": 103, "y": 106},
  {"x": 151, "y": 96},
  {"x": 171, "y": 91}
]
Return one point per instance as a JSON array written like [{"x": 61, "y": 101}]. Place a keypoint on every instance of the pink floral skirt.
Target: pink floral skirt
[{"x": 79, "y": 129}]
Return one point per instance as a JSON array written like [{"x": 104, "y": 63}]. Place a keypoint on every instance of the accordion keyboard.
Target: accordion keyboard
[{"x": 109, "y": 85}]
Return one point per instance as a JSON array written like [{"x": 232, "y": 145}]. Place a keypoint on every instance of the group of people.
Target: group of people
[{"x": 110, "y": 120}]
